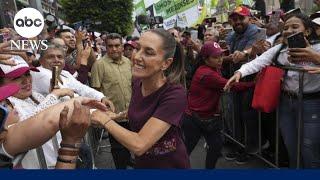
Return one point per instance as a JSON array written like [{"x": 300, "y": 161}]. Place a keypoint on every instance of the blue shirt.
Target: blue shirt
[{"x": 239, "y": 42}]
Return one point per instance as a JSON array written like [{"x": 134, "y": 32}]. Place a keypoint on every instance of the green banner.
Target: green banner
[
  {"x": 140, "y": 8},
  {"x": 168, "y": 8},
  {"x": 214, "y": 3}
]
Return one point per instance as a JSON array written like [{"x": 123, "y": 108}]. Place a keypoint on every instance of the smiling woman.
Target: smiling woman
[
  {"x": 295, "y": 23},
  {"x": 157, "y": 105},
  {"x": 27, "y": 103}
]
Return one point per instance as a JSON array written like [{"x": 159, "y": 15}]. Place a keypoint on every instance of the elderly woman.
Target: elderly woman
[
  {"x": 28, "y": 103},
  {"x": 19, "y": 137}
]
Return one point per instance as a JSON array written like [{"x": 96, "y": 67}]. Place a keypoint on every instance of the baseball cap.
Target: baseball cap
[
  {"x": 18, "y": 70},
  {"x": 315, "y": 15},
  {"x": 131, "y": 43},
  {"x": 211, "y": 49},
  {"x": 316, "y": 21},
  {"x": 8, "y": 90},
  {"x": 241, "y": 10}
]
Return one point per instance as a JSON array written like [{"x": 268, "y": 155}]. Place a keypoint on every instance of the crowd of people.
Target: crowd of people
[{"x": 156, "y": 95}]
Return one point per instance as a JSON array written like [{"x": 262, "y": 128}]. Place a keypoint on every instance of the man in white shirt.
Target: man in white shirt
[{"x": 54, "y": 56}]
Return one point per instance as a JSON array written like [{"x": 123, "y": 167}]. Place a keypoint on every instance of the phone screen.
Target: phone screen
[
  {"x": 297, "y": 41},
  {"x": 275, "y": 18},
  {"x": 3, "y": 117},
  {"x": 262, "y": 34},
  {"x": 1, "y": 38}
]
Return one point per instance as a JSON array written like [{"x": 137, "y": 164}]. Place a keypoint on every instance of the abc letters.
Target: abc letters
[{"x": 28, "y": 22}]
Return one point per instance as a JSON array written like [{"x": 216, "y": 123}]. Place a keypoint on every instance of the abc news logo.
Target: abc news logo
[{"x": 29, "y": 23}]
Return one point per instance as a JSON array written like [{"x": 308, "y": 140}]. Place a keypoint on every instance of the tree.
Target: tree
[{"x": 114, "y": 15}]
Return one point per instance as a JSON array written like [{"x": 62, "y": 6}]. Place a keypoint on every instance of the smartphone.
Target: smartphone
[
  {"x": 3, "y": 116},
  {"x": 275, "y": 18},
  {"x": 262, "y": 34},
  {"x": 77, "y": 26},
  {"x": 55, "y": 78},
  {"x": 297, "y": 41},
  {"x": 1, "y": 38}
]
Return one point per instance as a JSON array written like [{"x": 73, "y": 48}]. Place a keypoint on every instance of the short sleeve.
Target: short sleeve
[{"x": 172, "y": 105}]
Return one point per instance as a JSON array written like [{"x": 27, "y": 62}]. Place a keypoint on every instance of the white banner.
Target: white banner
[{"x": 186, "y": 18}]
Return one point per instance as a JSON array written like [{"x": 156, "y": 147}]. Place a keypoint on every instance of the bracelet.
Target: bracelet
[
  {"x": 107, "y": 122},
  {"x": 72, "y": 146},
  {"x": 66, "y": 152},
  {"x": 73, "y": 161}
]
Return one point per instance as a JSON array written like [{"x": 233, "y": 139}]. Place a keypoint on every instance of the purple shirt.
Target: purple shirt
[{"x": 167, "y": 104}]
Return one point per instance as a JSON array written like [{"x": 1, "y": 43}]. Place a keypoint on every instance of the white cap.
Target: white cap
[
  {"x": 18, "y": 70},
  {"x": 317, "y": 21}
]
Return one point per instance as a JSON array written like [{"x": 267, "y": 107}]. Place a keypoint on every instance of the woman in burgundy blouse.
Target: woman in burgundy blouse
[
  {"x": 157, "y": 104},
  {"x": 202, "y": 117}
]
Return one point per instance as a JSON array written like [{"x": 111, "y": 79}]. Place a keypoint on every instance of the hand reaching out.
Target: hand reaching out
[
  {"x": 74, "y": 129},
  {"x": 234, "y": 79},
  {"x": 63, "y": 92}
]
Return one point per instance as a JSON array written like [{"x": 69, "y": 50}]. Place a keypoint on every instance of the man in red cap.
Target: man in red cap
[{"x": 240, "y": 42}]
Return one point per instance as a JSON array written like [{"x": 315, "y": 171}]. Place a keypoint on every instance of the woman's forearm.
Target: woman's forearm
[
  {"x": 128, "y": 139},
  {"x": 140, "y": 142},
  {"x": 36, "y": 130}
]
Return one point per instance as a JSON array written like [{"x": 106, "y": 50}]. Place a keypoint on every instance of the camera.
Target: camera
[
  {"x": 151, "y": 21},
  {"x": 51, "y": 21},
  {"x": 86, "y": 24}
]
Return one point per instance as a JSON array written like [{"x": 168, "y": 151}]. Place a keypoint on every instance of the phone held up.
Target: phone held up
[{"x": 297, "y": 41}]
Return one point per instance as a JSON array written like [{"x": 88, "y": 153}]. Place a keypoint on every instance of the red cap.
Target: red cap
[
  {"x": 8, "y": 90},
  {"x": 241, "y": 10},
  {"x": 211, "y": 49},
  {"x": 16, "y": 71},
  {"x": 131, "y": 43}
]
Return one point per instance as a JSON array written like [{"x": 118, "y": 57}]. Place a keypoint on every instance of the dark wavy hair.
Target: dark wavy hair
[{"x": 307, "y": 23}]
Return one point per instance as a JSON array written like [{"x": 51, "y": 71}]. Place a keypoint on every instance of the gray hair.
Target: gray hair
[{"x": 52, "y": 46}]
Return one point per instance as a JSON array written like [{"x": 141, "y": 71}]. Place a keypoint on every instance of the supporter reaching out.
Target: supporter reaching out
[
  {"x": 294, "y": 23},
  {"x": 202, "y": 117},
  {"x": 19, "y": 137},
  {"x": 54, "y": 56},
  {"x": 72, "y": 131}
]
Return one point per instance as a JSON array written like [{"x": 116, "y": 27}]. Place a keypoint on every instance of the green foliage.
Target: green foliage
[{"x": 115, "y": 15}]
